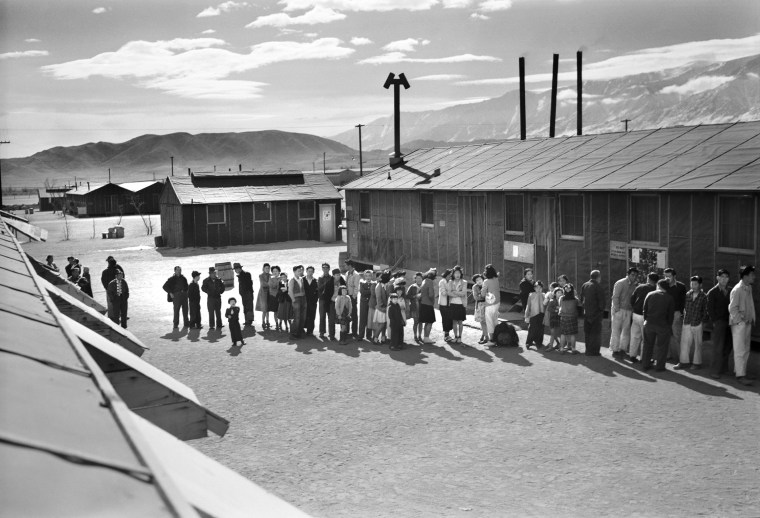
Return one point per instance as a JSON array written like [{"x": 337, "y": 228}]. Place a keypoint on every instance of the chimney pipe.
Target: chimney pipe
[
  {"x": 579, "y": 60},
  {"x": 88, "y": 186},
  {"x": 240, "y": 168},
  {"x": 553, "y": 116},
  {"x": 188, "y": 171},
  {"x": 397, "y": 159},
  {"x": 522, "y": 99}
]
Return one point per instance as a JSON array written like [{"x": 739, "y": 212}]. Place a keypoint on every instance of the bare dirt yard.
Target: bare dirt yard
[{"x": 358, "y": 430}]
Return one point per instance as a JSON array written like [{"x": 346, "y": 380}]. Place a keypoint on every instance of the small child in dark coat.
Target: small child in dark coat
[
  {"x": 396, "y": 322},
  {"x": 233, "y": 321}
]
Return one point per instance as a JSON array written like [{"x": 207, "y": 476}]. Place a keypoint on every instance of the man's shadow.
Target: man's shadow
[
  {"x": 511, "y": 355},
  {"x": 175, "y": 336}
]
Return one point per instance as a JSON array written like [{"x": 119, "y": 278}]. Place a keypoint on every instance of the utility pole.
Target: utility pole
[
  {"x": 626, "y": 121},
  {"x": 324, "y": 162},
  {"x": 361, "y": 166},
  {"x": 109, "y": 175},
  {"x": 1, "y": 175},
  {"x": 172, "y": 159}
]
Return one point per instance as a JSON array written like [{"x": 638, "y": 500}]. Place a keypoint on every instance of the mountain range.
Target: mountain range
[{"x": 696, "y": 94}]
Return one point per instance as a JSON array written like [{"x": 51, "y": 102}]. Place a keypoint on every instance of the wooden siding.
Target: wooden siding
[{"x": 112, "y": 200}]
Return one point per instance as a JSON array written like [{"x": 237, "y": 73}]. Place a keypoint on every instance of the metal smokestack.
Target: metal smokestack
[
  {"x": 579, "y": 60},
  {"x": 522, "y": 99},
  {"x": 553, "y": 116}
]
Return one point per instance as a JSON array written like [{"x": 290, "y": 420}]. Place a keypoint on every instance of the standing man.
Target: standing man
[
  {"x": 592, "y": 299},
  {"x": 658, "y": 326},
  {"x": 741, "y": 310},
  {"x": 117, "y": 294},
  {"x": 323, "y": 284},
  {"x": 333, "y": 287},
  {"x": 69, "y": 266},
  {"x": 176, "y": 288},
  {"x": 622, "y": 312},
  {"x": 694, "y": 314},
  {"x": 245, "y": 288},
  {"x": 718, "y": 299},
  {"x": 298, "y": 300},
  {"x": 352, "y": 283},
  {"x": 526, "y": 287},
  {"x": 677, "y": 290},
  {"x": 107, "y": 275},
  {"x": 637, "y": 306},
  {"x": 194, "y": 300},
  {"x": 311, "y": 292},
  {"x": 213, "y": 287}
]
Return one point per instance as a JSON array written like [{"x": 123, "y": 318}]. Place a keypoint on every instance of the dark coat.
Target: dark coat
[
  {"x": 312, "y": 291},
  {"x": 658, "y": 310},
  {"x": 214, "y": 288},
  {"x": 109, "y": 274},
  {"x": 245, "y": 283},
  {"x": 111, "y": 291},
  {"x": 175, "y": 283},
  {"x": 194, "y": 293},
  {"x": 592, "y": 299}
]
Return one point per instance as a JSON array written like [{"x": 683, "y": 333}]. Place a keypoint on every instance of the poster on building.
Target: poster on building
[
  {"x": 618, "y": 250},
  {"x": 647, "y": 260}
]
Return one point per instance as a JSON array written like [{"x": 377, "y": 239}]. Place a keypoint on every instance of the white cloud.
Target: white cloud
[
  {"x": 697, "y": 85},
  {"x": 358, "y": 41},
  {"x": 753, "y": 75},
  {"x": 471, "y": 100},
  {"x": 400, "y": 57},
  {"x": 311, "y": 34},
  {"x": 440, "y": 77},
  {"x": 24, "y": 54},
  {"x": 224, "y": 7},
  {"x": 407, "y": 45},
  {"x": 478, "y": 16},
  {"x": 195, "y": 68},
  {"x": 317, "y": 15},
  {"x": 456, "y": 4},
  {"x": 100, "y": 10},
  {"x": 32, "y": 40},
  {"x": 495, "y": 5},
  {"x": 360, "y": 5},
  {"x": 209, "y": 31},
  {"x": 646, "y": 61}
]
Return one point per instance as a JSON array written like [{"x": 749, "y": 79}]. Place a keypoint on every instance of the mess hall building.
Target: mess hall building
[
  {"x": 111, "y": 199},
  {"x": 246, "y": 208},
  {"x": 684, "y": 197}
]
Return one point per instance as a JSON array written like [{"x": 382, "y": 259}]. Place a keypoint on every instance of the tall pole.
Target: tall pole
[
  {"x": 579, "y": 60},
  {"x": 626, "y": 121},
  {"x": 109, "y": 175},
  {"x": 361, "y": 165},
  {"x": 396, "y": 161},
  {"x": 172, "y": 159},
  {"x": 553, "y": 116},
  {"x": 1, "y": 174},
  {"x": 522, "y": 99},
  {"x": 324, "y": 162}
]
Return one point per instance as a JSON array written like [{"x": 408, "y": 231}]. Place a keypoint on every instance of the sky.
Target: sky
[{"x": 79, "y": 71}]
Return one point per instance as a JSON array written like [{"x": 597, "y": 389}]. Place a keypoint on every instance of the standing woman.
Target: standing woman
[
  {"x": 492, "y": 299},
  {"x": 480, "y": 299},
  {"x": 534, "y": 316},
  {"x": 457, "y": 290},
  {"x": 427, "y": 299},
  {"x": 272, "y": 297},
  {"x": 372, "y": 305},
  {"x": 262, "y": 300},
  {"x": 413, "y": 295},
  {"x": 568, "y": 318},
  {"x": 443, "y": 304},
  {"x": 365, "y": 286},
  {"x": 381, "y": 317},
  {"x": 284, "y": 304}
]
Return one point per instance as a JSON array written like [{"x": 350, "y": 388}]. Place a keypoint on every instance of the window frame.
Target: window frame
[
  {"x": 362, "y": 205},
  {"x": 313, "y": 211},
  {"x": 631, "y": 219},
  {"x": 718, "y": 229},
  {"x": 522, "y": 215},
  {"x": 572, "y": 237},
  {"x": 269, "y": 209},
  {"x": 208, "y": 214},
  {"x": 431, "y": 196}
]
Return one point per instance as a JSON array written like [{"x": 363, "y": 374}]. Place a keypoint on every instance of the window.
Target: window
[
  {"x": 513, "y": 214},
  {"x": 215, "y": 214},
  {"x": 307, "y": 210},
  {"x": 364, "y": 208},
  {"x": 426, "y": 208},
  {"x": 736, "y": 222},
  {"x": 645, "y": 219},
  {"x": 262, "y": 211},
  {"x": 571, "y": 216}
]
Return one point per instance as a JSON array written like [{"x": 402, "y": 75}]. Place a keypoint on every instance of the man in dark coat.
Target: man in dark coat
[
  {"x": 324, "y": 298},
  {"x": 659, "y": 308},
  {"x": 245, "y": 287},
  {"x": 213, "y": 287},
  {"x": 311, "y": 290},
  {"x": 194, "y": 301},
  {"x": 176, "y": 288},
  {"x": 108, "y": 275},
  {"x": 117, "y": 294},
  {"x": 592, "y": 299},
  {"x": 298, "y": 301},
  {"x": 718, "y": 299}
]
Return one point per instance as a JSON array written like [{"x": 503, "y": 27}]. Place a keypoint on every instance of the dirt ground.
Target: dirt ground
[{"x": 358, "y": 430}]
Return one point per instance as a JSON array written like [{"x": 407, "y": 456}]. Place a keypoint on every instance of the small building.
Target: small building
[
  {"x": 52, "y": 198},
  {"x": 244, "y": 207},
  {"x": 685, "y": 197},
  {"x": 112, "y": 199},
  {"x": 340, "y": 177}
]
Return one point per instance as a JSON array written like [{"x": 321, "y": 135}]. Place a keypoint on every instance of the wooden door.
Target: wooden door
[
  {"x": 544, "y": 230},
  {"x": 472, "y": 233}
]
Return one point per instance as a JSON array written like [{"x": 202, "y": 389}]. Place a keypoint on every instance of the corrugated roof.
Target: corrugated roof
[
  {"x": 83, "y": 189},
  {"x": 42, "y": 193},
  {"x": 315, "y": 186},
  {"x": 706, "y": 157},
  {"x": 138, "y": 186}
]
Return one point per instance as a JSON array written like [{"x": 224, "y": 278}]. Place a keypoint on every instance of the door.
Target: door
[
  {"x": 544, "y": 227},
  {"x": 327, "y": 222},
  {"x": 472, "y": 233}
]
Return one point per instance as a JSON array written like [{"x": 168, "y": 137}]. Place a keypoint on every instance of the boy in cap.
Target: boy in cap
[{"x": 194, "y": 300}]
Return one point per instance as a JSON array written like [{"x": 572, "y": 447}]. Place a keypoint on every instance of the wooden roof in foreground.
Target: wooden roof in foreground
[{"x": 717, "y": 157}]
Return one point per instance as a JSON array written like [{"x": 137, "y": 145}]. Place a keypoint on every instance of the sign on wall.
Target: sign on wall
[
  {"x": 519, "y": 252},
  {"x": 619, "y": 250}
]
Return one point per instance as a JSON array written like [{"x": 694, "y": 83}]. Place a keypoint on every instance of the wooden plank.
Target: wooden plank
[
  {"x": 216, "y": 423},
  {"x": 138, "y": 390},
  {"x": 183, "y": 420}
]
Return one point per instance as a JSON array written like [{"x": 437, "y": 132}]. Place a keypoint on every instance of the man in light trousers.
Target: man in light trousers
[
  {"x": 622, "y": 312},
  {"x": 741, "y": 309},
  {"x": 694, "y": 315}
]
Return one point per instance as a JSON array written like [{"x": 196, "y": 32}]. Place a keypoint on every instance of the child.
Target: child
[
  {"x": 552, "y": 311},
  {"x": 194, "y": 301},
  {"x": 477, "y": 295},
  {"x": 413, "y": 295},
  {"x": 343, "y": 312},
  {"x": 233, "y": 315},
  {"x": 396, "y": 322},
  {"x": 283, "y": 304},
  {"x": 568, "y": 318},
  {"x": 534, "y": 316}
]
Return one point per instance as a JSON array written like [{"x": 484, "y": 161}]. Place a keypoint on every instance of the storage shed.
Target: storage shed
[
  {"x": 113, "y": 199},
  {"x": 52, "y": 198},
  {"x": 685, "y": 197},
  {"x": 244, "y": 207}
]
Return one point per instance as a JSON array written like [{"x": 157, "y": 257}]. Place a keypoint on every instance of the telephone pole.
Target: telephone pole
[
  {"x": 626, "y": 121},
  {"x": 361, "y": 166},
  {"x": 1, "y": 174}
]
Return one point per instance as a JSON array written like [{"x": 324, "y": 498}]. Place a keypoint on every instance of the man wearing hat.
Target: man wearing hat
[
  {"x": 176, "y": 289},
  {"x": 622, "y": 313},
  {"x": 108, "y": 275},
  {"x": 194, "y": 301},
  {"x": 213, "y": 287},
  {"x": 117, "y": 294},
  {"x": 352, "y": 284},
  {"x": 245, "y": 288}
]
